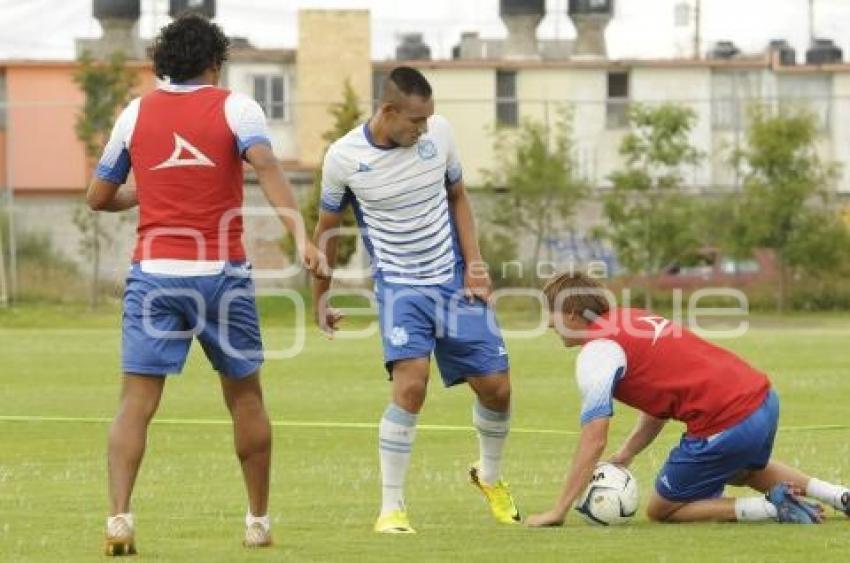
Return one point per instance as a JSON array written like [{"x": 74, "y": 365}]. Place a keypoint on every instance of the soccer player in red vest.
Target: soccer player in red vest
[
  {"x": 667, "y": 372},
  {"x": 186, "y": 142}
]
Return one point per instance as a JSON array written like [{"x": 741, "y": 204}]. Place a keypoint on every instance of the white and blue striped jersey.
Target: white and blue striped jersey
[{"x": 399, "y": 195}]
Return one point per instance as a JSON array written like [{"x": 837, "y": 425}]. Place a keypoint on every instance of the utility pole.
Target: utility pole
[
  {"x": 4, "y": 290},
  {"x": 811, "y": 22},
  {"x": 697, "y": 26}
]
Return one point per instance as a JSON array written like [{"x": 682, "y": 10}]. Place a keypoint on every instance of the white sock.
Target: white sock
[
  {"x": 492, "y": 427},
  {"x": 395, "y": 441},
  {"x": 754, "y": 509},
  {"x": 264, "y": 520},
  {"x": 827, "y": 493}
]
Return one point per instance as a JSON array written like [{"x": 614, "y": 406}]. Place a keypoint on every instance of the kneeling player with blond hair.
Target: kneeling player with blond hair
[{"x": 729, "y": 408}]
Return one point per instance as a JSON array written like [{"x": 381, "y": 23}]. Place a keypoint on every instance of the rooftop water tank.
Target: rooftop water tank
[
  {"x": 117, "y": 9},
  {"x": 205, "y": 8}
]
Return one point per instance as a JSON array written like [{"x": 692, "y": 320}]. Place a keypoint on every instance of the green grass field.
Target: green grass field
[{"x": 59, "y": 374}]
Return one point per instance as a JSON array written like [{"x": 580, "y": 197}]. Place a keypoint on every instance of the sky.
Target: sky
[{"x": 45, "y": 29}]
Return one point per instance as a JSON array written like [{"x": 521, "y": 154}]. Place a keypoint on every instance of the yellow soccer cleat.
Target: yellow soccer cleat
[
  {"x": 120, "y": 536},
  {"x": 498, "y": 497},
  {"x": 394, "y": 522}
]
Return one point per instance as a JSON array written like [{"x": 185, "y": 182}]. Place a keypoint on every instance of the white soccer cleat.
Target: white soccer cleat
[
  {"x": 120, "y": 535},
  {"x": 257, "y": 533}
]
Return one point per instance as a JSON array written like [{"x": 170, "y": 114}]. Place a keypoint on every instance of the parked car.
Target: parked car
[{"x": 709, "y": 267}]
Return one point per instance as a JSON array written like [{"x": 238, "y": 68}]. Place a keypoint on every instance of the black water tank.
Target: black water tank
[
  {"x": 585, "y": 7},
  {"x": 787, "y": 53},
  {"x": 204, "y": 7},
  {"x": 117, "y": 9},
  {"x": 413, "y": 48},
  {"x": 522, "y": 7},
  {"x": 723, "y": 50},
  {"x": 823, "y": 51}
]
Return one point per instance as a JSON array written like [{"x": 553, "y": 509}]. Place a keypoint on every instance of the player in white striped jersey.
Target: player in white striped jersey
[{"x": 401, "y": 173}]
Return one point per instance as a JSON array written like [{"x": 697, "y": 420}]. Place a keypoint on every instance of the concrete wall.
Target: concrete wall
[
  {"x": 333, "y": 46},
  {"x": 841, "y": 128},
  {"x": 43, "y": 104},
  {"x": 52, "y": 214}
]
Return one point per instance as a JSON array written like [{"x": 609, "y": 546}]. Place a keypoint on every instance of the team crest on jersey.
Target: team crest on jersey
[
  {"x": 398, "y": 336},
  {"x": 191, "y": 155},
  {"x": 427, "y": 149}
]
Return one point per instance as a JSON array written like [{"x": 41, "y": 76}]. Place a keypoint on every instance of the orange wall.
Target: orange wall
[
  {"x": 2, "y": 158},
  {"x": 43, "y": 103}
]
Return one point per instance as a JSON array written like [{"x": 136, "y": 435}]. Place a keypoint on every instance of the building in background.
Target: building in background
[{"x": 487, "y": 84}]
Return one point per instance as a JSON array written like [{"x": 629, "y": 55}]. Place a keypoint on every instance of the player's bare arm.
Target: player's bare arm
[
  {"x": 280, "y": 196},
  {"x": 104, "y": 195},
  {"x": 325, "y": 238},
  {"x": 645, "y": 431},
  {"x": 591, "y": 445},
  {"x": 476, "y": 278}
]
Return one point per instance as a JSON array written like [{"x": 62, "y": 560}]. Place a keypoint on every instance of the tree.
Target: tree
[
  {"x": 651, "y": 217},
  {"x": 537, "y": 171},
  {"x": 107, "y": 87},
  {"x": 786, "y": 202},
  {"x": 347, "y": 115}
]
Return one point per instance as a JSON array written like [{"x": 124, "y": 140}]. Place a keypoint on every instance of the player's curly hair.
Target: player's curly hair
[{"x": 187, "y": 47}]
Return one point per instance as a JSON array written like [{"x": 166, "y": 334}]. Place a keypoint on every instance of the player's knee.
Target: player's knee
[
  {"x": 138, "y": 407},
  {"x": 496, "y": 396},
  {"x": 658, "y": 512},
  {"x": 656, "y": 515},
  {"x": 410, "y": 395},
  {"x": 248, "y": 405}
]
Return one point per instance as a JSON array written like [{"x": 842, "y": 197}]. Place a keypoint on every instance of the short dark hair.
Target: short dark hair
[
  {"x": 409, "y": 81},
  {"x": 187, "y": 47}
]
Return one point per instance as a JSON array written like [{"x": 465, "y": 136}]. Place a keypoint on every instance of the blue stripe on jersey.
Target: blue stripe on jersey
[
  {"x": 418, "y": 229},
  {"x": 421, "y": 260},
  {"x": 453, "y": 175},
  {"x": 411, "y": 241},
  {"x": 338, "y": 207},
  {"x": 406, "y": 219},
  {"x": 416, "y": 273},
  {"x": 450, "y": 184},
  {"x": 245, "y": 144},
  {"x": 439, "y": 193},
  {"x": 400, "y": 180},
  {"x": 118, "y": 172},
  {"x": 358, "y": 216},
  {"x": 416, "y": 252},
  {"x": 420, "y": 271}
]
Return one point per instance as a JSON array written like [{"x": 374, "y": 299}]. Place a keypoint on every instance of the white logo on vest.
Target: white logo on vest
[{"x": 180, "y": 145}]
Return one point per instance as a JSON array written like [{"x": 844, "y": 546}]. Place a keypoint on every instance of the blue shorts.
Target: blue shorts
[
  {"x": 418, "y": 320},
  {"x": 163, "y": 313},
  {"x": 699, "y": 468}
]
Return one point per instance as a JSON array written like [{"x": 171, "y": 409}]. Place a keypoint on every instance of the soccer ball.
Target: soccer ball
[{"x": 611, "y": 497}]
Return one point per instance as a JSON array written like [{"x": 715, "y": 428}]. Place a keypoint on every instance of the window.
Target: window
[
  {"x": 811, "y": 92},
  {"x": 617, "y": 102},
  {"x": 270, "y": 93},
  {"x": 732, "y": 94},
  {"x": 507, "y": 113}
]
